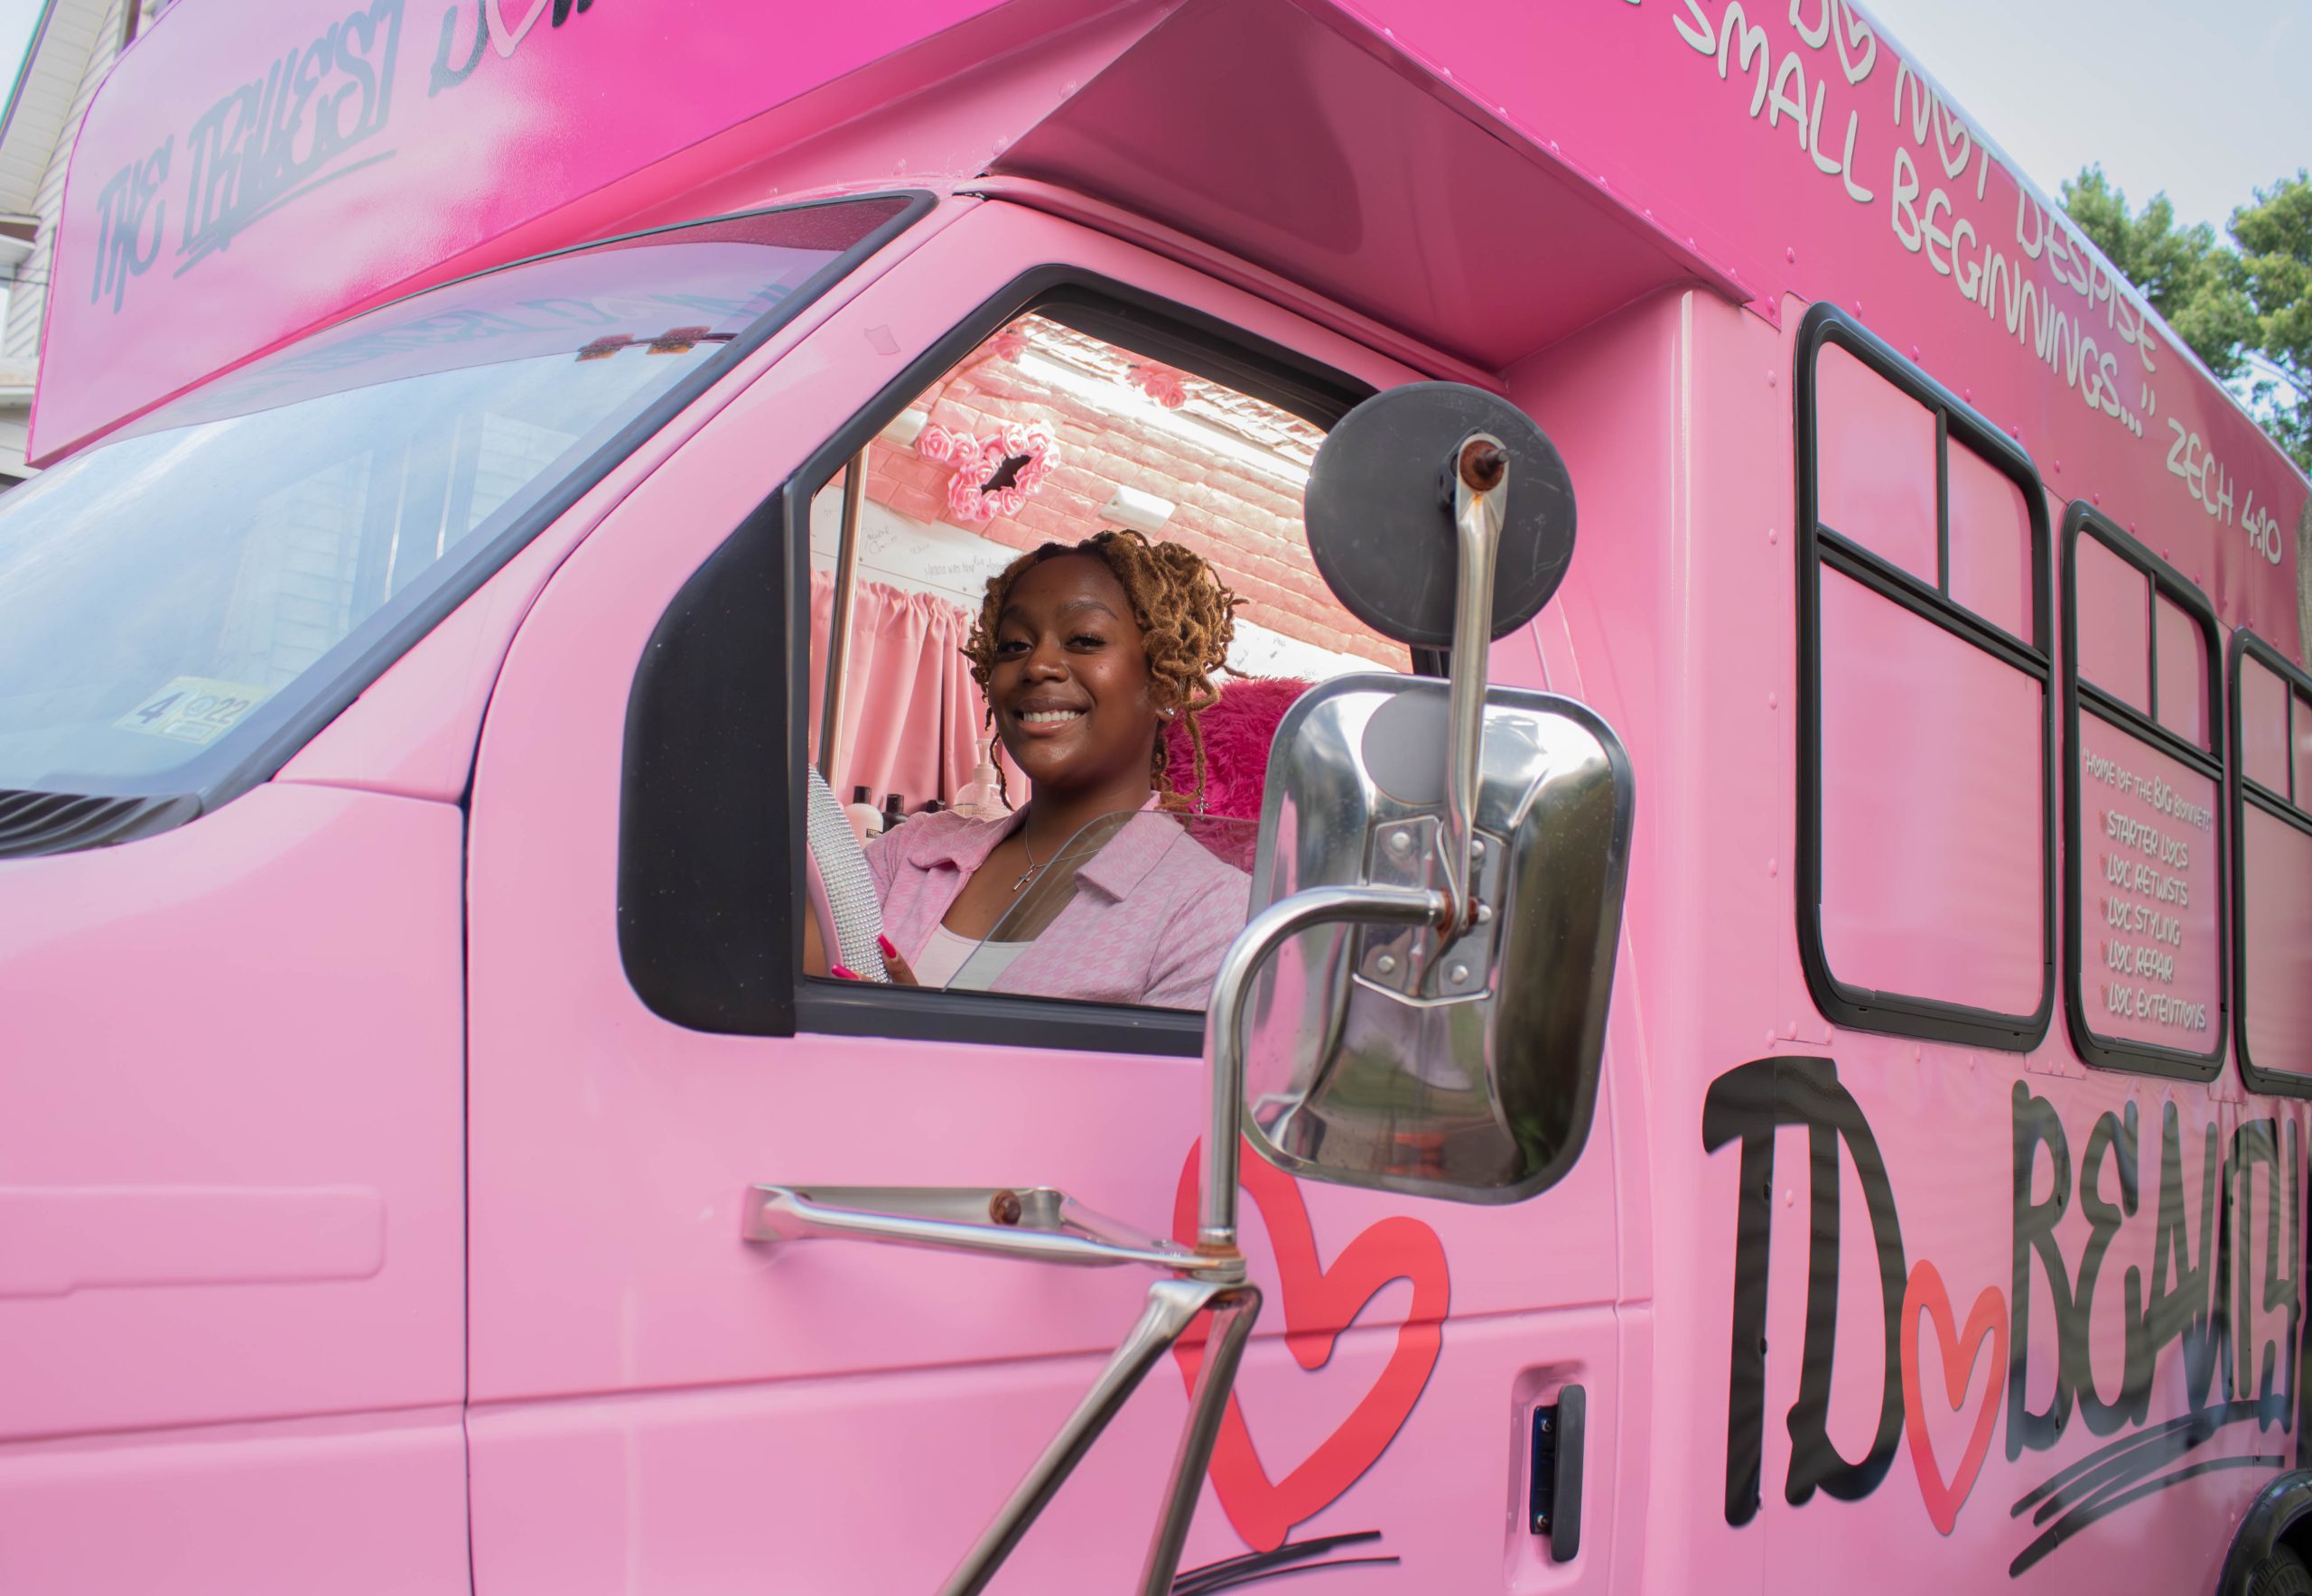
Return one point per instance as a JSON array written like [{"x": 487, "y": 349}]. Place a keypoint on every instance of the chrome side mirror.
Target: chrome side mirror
[{"x": 1438, "y": 884}]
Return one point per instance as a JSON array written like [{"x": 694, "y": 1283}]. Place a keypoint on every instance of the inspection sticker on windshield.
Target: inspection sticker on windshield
[{"x": 194, "y": 709}]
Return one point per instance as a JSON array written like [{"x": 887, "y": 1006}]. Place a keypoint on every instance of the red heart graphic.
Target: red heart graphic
[
  {"x": 1986, "y": 1320},
  {"x": 1318, "y": 1304}
]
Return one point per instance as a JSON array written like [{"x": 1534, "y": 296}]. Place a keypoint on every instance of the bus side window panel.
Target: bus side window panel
[
  {"x": 1989, "y": 530},
  {"x": 1874, "y": 470},
  {"x": 2272, "y": 881},
  {"x": 1931, "y": 693},
  {"x": 1931, "y": 780},
  {"x": 2144, "y": 807}
]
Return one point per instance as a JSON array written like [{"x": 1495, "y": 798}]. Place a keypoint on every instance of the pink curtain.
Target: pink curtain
[{"x": 911, "y": 710}]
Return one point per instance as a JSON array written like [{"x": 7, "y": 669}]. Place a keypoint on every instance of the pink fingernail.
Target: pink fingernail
[
  {"x": 885, "y": 944},
  {"x": 842, "y": 972}
]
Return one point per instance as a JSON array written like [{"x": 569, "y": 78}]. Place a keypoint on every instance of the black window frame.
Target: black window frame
[
  {"x": 2138, "y": 1058},
  {"x": 1819, "y": 546},
  {"x": 711, "y": 847},
  {"x": 2298, "y": 812}
]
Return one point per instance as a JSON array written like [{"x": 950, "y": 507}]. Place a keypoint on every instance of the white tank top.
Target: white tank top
[{"x": 946, "y": 954}]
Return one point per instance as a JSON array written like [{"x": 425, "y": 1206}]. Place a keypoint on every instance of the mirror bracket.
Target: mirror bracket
[
  {"x": 1480, "y": 467},
  {"x": 1422, "y": 964}
]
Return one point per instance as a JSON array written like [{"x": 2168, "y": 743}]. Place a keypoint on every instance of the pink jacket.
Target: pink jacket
[{"x": 1153, "y": 913}]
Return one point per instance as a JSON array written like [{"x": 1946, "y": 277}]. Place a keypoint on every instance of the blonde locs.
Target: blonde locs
[{"x": 1186, "y": 617}]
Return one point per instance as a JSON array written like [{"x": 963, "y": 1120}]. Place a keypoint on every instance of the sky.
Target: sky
[
  {"x": 2207, "y": 100},
  {"x": 16, "y": 20}
]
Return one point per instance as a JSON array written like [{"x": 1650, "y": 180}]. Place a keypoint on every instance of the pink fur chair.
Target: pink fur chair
[{"x": 1238, "y": 733}]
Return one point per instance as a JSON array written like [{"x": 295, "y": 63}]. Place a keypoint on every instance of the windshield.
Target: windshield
[{"x": 179, "y": 594}]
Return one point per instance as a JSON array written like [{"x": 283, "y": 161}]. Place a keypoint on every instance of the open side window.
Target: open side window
[
  {"x": 1077, "y": 411},
  {"x": 2270, "y": 722},
  {"x": 1066, "y": 405},
  {"x": 2143, "y": 822},
  {"x": 1926, "y": 885}
]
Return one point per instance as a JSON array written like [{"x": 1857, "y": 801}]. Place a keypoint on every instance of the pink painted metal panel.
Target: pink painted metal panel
[
  {"x": 1674, "y": 419},
  {"x": 929, "y": 1455},
  {"x": 1990, "y": 542},
  {"x": 1931, "y": 843},
  {"x": 2151, "y": 891},
  {"x": 1875, "y": 478},
  {"x": 2276, "y": 908},
  {"x": 2264, "y": 722},
  {"x": 229, "y": 1119},
  {"x": 610, "y": 1150},
  {"x": 1606, "y": 398},
  {"x": 1376, "y": 189},
  {"x": 412, "y": 732},
  {"x": 367, "y": 1505},
  {"x": 2113, "y": 637},
  {"x": 2180, "y": 653},
  {"x": 56, "y": 1240}
]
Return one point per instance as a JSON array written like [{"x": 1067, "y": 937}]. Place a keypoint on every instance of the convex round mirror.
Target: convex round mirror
[{"x": 1380, "y": 511}]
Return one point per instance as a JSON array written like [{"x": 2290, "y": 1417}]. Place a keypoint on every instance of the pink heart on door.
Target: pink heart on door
[
  {"x": 1319, "y": 1301},
  {"x": 1987, "y": 1322}
]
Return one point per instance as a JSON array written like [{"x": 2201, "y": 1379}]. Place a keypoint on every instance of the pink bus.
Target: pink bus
[{"x": 1786, "y": 1071}]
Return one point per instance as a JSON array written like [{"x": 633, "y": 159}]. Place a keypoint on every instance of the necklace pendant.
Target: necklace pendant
[{"x": 1025, "y": 877}]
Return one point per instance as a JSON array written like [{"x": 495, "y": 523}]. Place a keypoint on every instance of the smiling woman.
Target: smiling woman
[
  {"x": 1096, "y": 555},
  {"x": 1085, "y": 653}
]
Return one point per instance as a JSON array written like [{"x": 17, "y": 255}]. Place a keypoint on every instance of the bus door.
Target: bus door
[{"x": 659, "y": 1402}]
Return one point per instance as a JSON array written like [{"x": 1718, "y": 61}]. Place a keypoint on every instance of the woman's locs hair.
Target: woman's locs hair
[{"x": 1186, "y": 617}]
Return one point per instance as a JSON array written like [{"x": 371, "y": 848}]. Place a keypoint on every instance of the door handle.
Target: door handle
[{"x": 1036, "y": 1224}]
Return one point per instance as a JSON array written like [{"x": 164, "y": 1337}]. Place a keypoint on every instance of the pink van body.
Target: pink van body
[{"x": 363, "y": 1230}]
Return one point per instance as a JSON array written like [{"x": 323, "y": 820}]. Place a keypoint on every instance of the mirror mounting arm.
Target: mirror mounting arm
[
  {"x": 1480, "y": 471},
  {"x": 1224, "y": 1026}
]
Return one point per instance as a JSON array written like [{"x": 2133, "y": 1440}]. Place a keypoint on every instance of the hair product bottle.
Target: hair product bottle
[{"x": 981, "y": 798}]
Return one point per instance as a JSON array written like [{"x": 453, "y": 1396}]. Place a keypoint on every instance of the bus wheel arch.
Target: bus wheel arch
[{"x": 2271, "y": 1553}]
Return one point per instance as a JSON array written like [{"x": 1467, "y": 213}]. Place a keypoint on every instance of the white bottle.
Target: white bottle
[
  {"x": 866, "y": 819},
  {"x": 981, "y": 798}
]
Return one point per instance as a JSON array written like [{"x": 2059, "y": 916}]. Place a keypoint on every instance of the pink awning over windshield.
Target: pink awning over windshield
[{"x": 255, "y": 168}]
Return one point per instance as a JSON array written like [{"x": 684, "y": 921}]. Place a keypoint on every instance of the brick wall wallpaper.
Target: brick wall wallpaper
[{"x": 1233, "y": 466}]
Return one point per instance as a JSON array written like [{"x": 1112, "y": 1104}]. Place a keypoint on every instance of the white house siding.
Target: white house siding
[{"x": 88, "y": 31}]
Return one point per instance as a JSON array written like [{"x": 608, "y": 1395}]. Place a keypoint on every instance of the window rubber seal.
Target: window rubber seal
[
  {"x": 2246, "y": 645},
  {"x": 2111, "y": 1052}
]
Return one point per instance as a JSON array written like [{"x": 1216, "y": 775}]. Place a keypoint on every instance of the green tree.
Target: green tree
[
  {"x": 2189, "y": 275},
  {"x": 2246, "y": 311},
  {"x": 2275, "y": 239}
]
